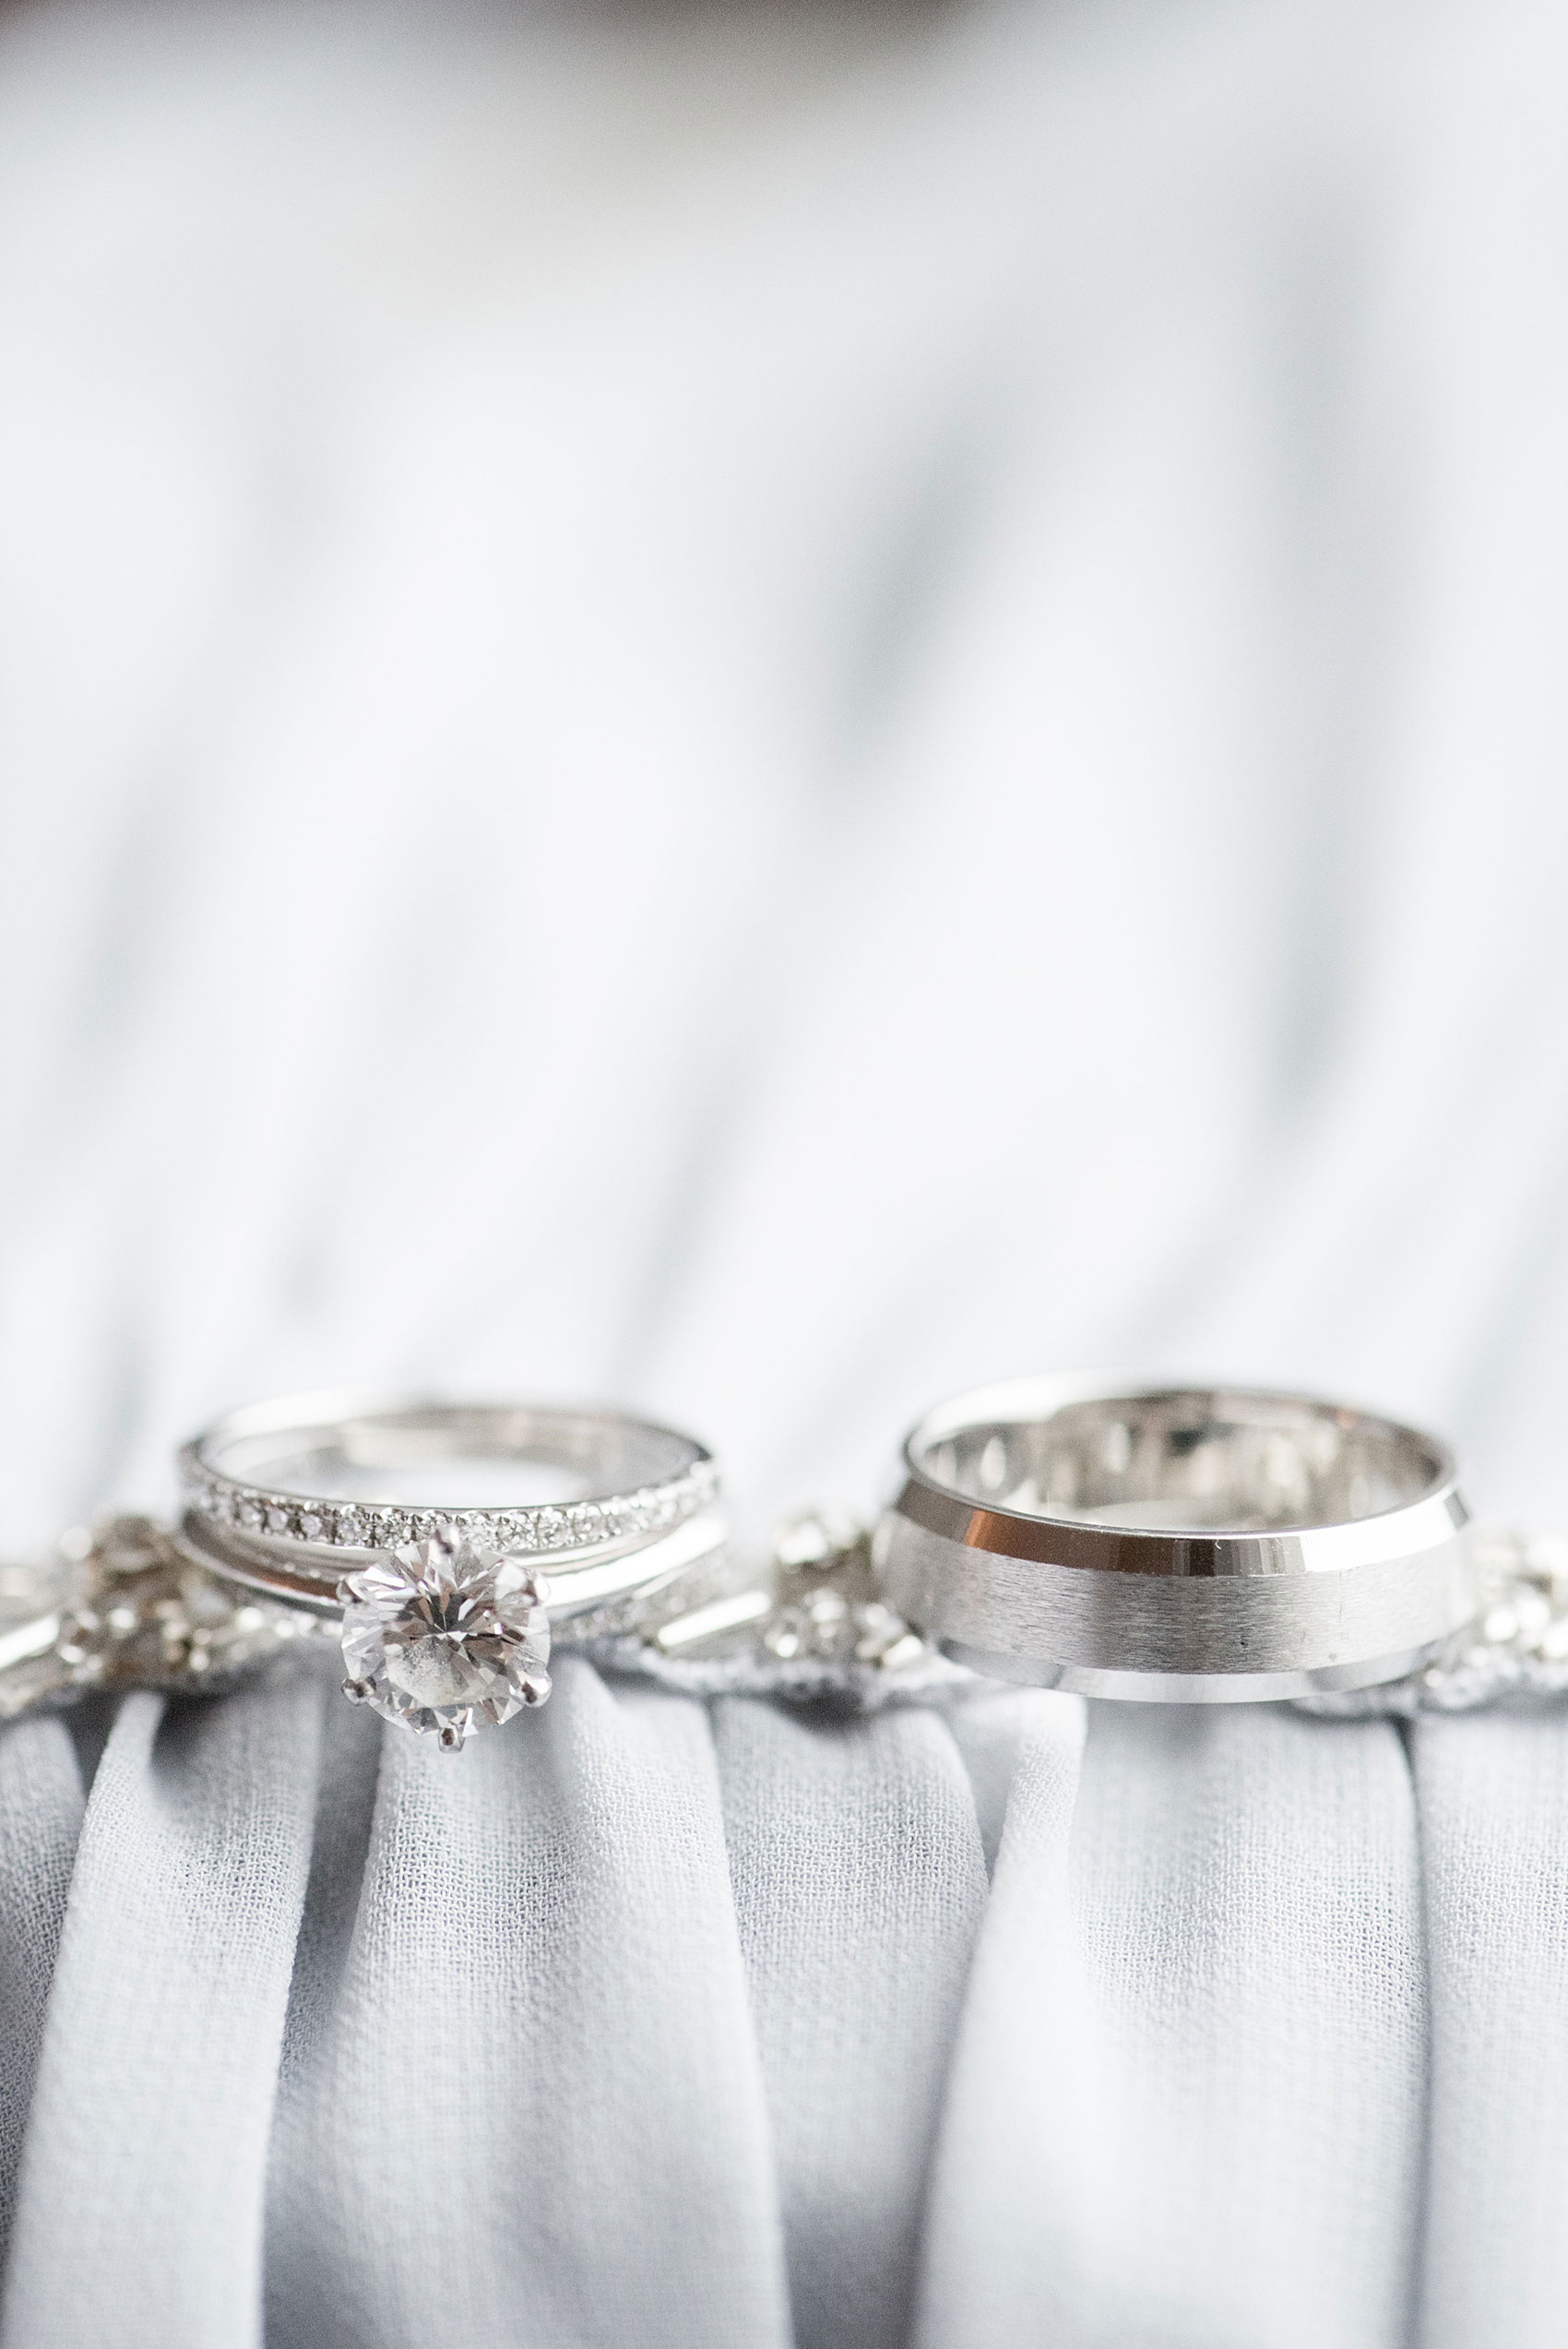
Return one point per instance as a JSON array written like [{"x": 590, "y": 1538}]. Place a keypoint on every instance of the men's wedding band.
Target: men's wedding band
[
  {"x": 1188, "y": 1544},
  {"x": 450, "y": 1596}
]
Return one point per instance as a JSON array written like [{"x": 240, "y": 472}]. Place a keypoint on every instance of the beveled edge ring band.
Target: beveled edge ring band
[{"x": 1095, "y": 1585}]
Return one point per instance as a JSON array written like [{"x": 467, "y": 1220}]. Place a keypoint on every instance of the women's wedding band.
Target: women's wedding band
[
  {"x": 1187, "y": 1545},
  {"x": 448, "y": 1610},
  {"x": 276, "y": 1473}
]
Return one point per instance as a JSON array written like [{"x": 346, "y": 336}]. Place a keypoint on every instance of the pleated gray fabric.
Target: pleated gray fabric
[
  {"x": 1493, "y": 1794},
  {"x": 1005, "y": 2022},
  {"x": 141, "y": 2213},
  {"x": 40, "y": 1818}
]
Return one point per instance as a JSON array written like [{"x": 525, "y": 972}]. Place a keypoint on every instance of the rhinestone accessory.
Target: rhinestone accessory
[
  {"x": 123, "y": 1609},
  {"x": 445, "y": 1635},
  {"x": 826, "y": 1609}
]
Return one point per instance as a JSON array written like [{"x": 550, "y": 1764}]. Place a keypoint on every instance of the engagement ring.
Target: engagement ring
[{"x": 421, "y": 1524}]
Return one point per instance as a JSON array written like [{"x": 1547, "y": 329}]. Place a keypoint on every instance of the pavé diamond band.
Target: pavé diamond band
[
  {"x": 1181, "y": 1544},
  {"x": 309, "y": 1472},
  {"x": 329, "y": 1503}
]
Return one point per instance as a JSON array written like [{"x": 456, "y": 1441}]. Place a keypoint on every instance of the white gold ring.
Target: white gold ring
[
  {"x": 414, "y": 1519},
  {"x": 1187, "y": 1545}
]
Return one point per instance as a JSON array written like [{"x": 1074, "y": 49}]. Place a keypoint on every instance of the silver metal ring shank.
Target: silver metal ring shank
[
  {"x": 579, "y": 1589},
  {"x": 301, "y": 1480},
  {"x": 1182, "y": 1544}
]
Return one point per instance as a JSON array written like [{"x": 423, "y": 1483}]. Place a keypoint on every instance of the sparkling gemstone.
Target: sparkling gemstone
[
  {"x": 549, "y": 1526},
  {"x": 278, "y": 1518},
  {"x": 310, "y": 1526},
  {"x": 350, "y": 1528},
  {"x": 446, "y": 1636}
]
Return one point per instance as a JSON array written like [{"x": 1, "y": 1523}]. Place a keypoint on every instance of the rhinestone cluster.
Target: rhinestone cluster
[
  {"x": 134, "y": 1614},
  {"x": 826, "y": 1609},
  {"x": 353, "y": 1525}
]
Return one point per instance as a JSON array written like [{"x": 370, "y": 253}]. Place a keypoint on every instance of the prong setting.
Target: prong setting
[{"x": 445, "y": 1635}]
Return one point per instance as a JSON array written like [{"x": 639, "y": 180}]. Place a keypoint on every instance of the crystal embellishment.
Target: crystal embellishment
[{"x": 446, "y": 1636}]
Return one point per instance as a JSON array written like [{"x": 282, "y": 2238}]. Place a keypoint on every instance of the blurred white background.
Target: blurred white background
[{"x": 765, "y": 711}]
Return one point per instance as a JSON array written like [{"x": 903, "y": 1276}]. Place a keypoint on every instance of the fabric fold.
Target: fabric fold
[
  {"x": 1494, "y": 1791},
  {"x": 1188, "y": 2095},
  {"x": 530, "y": 2109},
  {"x": 40, "y": 1818},
  {"x": 859, "y": 1883},
  {"x": 140, "y": 2210}
]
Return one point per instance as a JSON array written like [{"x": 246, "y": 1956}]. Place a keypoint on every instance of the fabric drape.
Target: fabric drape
[{"x": 710, "y": 2022}]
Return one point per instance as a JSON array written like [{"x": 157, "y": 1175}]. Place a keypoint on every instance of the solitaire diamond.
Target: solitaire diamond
[{"x": 446, "y": 1636}]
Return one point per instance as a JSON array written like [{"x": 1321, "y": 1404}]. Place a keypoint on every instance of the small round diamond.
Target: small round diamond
[
  {"x": 310, "y": 1526},
  {"x": 278, "y": 1518},
  {"x": 350, "y": 1529},
  {"x": 549, "y": 1527},
  {"x": 446, "y": 1636}
]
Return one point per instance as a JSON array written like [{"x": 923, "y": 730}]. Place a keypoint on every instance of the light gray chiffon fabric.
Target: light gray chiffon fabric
[
  {"x": 683, "y": 2024},
  {"x": 763, "y": 712}
]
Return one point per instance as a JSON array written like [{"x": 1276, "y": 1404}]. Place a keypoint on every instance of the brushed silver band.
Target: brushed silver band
[{"x": 1188, "y": 1544}]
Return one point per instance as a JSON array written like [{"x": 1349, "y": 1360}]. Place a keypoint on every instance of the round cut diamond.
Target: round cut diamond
[{"x": 446, "y": 1636}]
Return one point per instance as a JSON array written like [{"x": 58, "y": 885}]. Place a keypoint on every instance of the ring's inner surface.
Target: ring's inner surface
[
  {"x": 1188, "y": 1460},
  {"x": 478, "y": 1456}
]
